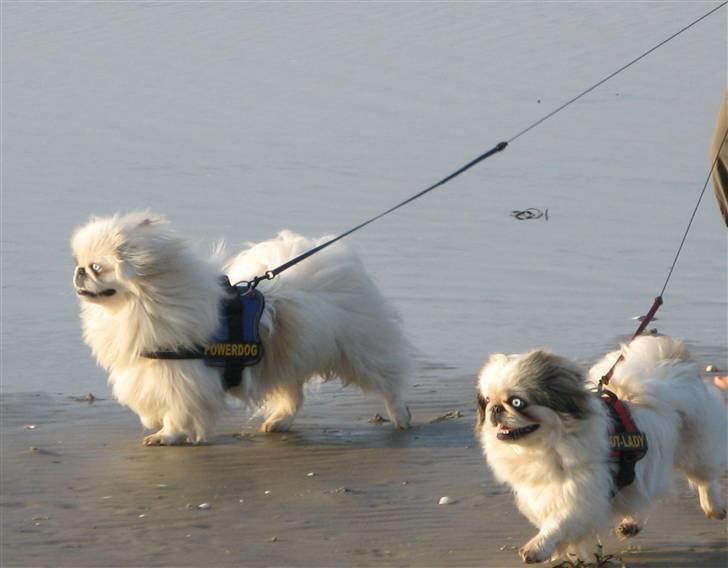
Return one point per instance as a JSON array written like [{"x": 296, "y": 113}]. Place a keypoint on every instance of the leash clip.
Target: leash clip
[{"x": 267, "y": 275}]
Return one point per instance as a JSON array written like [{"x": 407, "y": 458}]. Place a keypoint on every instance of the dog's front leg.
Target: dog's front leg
[
  {"x": 163, "y": 438},
  {"x": 177, "y": 430},
  {"x": 540, "y": 548},
  {"x": 554, "y": 538}
]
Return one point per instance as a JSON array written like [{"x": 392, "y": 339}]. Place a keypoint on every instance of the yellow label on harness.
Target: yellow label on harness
[
  {"x": 625, "y": 441},
  {"x": 231, "y": 350}
]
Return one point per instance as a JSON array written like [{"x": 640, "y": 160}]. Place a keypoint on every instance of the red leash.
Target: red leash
[
  {"x": 604, "y": 381},
  {"x": 627, "y": 443}
]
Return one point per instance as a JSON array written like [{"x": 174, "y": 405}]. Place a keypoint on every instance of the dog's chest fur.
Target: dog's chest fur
[{"x": 546, "y": 478}]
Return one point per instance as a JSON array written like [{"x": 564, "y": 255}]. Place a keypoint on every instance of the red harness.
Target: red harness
[{"x": 627, "y": 444}]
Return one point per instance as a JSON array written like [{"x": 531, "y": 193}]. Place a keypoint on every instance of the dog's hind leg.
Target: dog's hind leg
[
  {"x": 397, "y": 410},
  {"x": 705, "y": 478},
  {"x": 711, "y": 498},
  {"x": 389, "y": 387},
  {"x": 282, "y": 405},
  {"x": 703, "y": 453}
]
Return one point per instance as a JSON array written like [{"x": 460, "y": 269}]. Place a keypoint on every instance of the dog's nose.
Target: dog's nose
[
  {"x": 495, "y": 413},
  {"x": 80, "y": 275}
]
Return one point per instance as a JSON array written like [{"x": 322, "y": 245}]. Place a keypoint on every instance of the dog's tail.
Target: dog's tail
[{"x": 650, "y": 365}]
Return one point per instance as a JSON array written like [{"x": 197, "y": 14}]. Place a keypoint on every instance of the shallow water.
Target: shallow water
[{"x": 237, "y": 120}]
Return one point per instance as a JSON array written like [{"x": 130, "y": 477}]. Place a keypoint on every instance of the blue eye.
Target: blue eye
[{"x": 517, "y": 403}]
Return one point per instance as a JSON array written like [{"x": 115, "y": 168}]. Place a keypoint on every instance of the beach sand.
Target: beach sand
[{"x": 79, "y": 489}]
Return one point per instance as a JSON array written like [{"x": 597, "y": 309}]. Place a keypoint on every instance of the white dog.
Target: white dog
[
  {"x": 545, "y": 433},
  {"x": 142, "y": 291}
]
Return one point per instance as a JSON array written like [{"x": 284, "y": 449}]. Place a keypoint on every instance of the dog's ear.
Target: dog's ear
[
  {"x": 151, "y": 219},
  {"x": 145, "y": 246},
  {"x": 125, "y": 256},
  {"x": 554, "y": 382},
  {"x": 482, "y": 404},
  {"x": 141, "y": 219},
  {"x": 498, "y": 359}
]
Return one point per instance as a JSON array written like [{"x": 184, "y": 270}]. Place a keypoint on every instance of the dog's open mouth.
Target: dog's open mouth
[
  {"x": 505, "y": 433},
  {"x": 90, "y": 294}
]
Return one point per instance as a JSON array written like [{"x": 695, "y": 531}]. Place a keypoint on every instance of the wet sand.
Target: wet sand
[{"x": 79, "y": 489}]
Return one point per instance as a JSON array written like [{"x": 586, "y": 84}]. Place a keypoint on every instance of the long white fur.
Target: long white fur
[
  {"x": 683, "y": 417},
  {"x": 324, "y": 317},
  {"x": 562, "y": 480}
]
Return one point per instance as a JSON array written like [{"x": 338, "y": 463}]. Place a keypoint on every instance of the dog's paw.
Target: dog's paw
[
  {"x": 713, "y": 510},
  {"x": 536, "y": 550},
  {"x": 400, "y": 414},
  {"x": 160, "y": 439},
  {"x": 277, "y": 425},
  {"x": 405, "y": 422},
  {"x": 628, "y": 529},
  {"x": 719, "y": 515}
]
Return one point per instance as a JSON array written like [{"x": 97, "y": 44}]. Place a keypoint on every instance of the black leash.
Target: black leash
[
  {"x": 647, "y": 318},
  {"x": 695, "y": 210},
  {"x": 617, "y": 72},
  {"x": 270, "y": 274}
]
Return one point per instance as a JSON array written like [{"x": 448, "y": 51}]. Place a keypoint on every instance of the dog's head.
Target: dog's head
[
  {"x": 116, "y": 255},
  {"x": 523, "y": 398}
]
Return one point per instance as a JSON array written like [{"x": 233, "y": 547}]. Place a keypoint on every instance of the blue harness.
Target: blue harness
[{"x": 236, "y": 344}]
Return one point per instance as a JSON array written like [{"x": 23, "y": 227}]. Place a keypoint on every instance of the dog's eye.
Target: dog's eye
[
  {"x": 517, "y": 403},
  {"x": 96, "y": 267}
]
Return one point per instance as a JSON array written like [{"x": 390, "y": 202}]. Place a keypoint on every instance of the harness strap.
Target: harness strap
[
  {"x": 627, "y": 443},
  {"x": 232, "y": 374},
  {"x": 236, "y": 344},
  {"x": 177, "y": 354}
]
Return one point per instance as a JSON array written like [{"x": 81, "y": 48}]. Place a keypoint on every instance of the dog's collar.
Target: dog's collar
[
  {"x": 236, "y": 344},
  {"x": 627, "y": 443}
]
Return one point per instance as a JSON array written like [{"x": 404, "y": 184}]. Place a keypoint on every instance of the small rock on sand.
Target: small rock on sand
[
  {"x": 446, "y": 501},
  {"x": 88, "y": 397},
  {"x": 451, "y": 415},
  {"x": 378, "y": 419},
  {"x": 204, "y": 506},
  {"x": 340, "y": 491}
]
